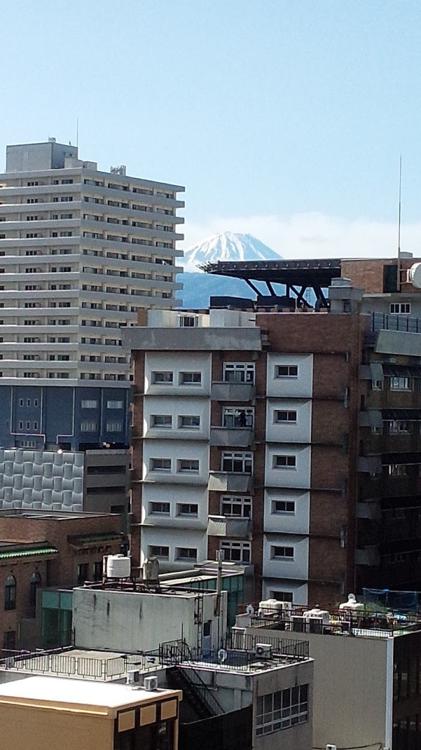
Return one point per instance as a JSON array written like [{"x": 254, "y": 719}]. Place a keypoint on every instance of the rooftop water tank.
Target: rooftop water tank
[
  {"x": 352, "y": 602},
  {"x": 414, "y": 275},
  {"x": 118, "y": 566}
]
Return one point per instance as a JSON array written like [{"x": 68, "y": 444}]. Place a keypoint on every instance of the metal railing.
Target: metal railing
[
  {"x": 64, "y": 663},
  {"x": 388, "y": 322}
]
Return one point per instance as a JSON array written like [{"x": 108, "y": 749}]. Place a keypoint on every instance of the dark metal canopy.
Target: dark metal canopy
[{"x": 295, "y": 275}]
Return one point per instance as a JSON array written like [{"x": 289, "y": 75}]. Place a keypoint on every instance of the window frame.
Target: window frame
[
  {"x": 291, "y": 416},
  {"x": 291, "y": 372},
  {"x": 10, "y": 593},
  {"x": 285, "y": 511},
  {"x": 247, "y": 368},
  {"x": 231, "y": 546},
  {"x": 244, "y": 503},
  {"x": 283, "y": 557},
  {"x": 290, "y": 463},
  {"x": 245, "y": 457}
]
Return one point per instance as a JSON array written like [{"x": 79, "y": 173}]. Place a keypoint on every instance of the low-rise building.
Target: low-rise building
[
  {"x": 36, "y": 711},
  {"x": 42, "y": 550},
  {"x": 132, "y": 617},
  {"x": 367, "y": 671},
  {"x": 233, "y": 698}
]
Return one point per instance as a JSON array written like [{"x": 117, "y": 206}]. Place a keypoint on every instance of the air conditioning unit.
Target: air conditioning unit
[
  {"x": 330, "y": 747},
  {"x": 133, "y": 676},
  {"x": 151, "y": 683},
  {"x": 264, "y": 650}
]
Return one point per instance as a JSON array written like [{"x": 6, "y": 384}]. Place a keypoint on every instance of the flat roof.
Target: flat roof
[
  {"x": 79, "y": 692},
  {"x": 297, "y": 272}
]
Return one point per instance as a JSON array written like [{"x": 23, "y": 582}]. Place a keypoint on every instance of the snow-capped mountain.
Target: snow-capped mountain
[
  {"x": 199, "y": 286},
  {"x": 228, "y": 246}
]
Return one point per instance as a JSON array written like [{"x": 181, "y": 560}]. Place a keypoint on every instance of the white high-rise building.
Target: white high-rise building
[{"x": 81, "y": 252}]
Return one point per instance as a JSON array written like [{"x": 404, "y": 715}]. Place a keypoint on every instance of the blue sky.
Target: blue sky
[{"x": 285, "y": 118}]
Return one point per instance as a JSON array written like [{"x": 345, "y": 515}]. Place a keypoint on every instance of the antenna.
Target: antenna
[
  {"x": 398, "y": 279},
  {"x": 77, "y": 132}
]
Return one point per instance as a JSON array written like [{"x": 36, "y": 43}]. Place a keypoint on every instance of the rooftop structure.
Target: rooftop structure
[
  {"x": 366, "y": 665},
  {"x": 138, "y": 617},
  {"x": 230, "y": 717},
  {"x": 36, "y": 710}
]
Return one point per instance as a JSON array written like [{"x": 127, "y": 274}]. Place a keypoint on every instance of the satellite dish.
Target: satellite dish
[
  {"x": 250, "y": 609},
  {"x": 222, "y": 655}
]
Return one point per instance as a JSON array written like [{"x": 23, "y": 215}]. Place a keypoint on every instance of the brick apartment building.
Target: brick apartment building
[
  {"x": 65, "y": 550},
  {"x": 286, "y": 437}
]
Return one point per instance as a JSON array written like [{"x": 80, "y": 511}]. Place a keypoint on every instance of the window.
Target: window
[
  {"x": 286, "y": 371},
  {"x": 400, "y": 383},
  {"x": 397, "y": 470},
  {"x": 280, "y": 416},
  {"x": 190, "y": 378},
  {"x": 398, "y": 427},
  {"x": 239, "y": 372},
  {"x": 188, "y": 466},
  {"x": 162, "y": 376},
  {"x": 283, "y": 506},
  {"x": 281, "y": 710},
  {"x": 21, "y": 402},
  {"x": 160, "y": 464},
  {"x": 10, "y": 593},
  {"x": 34, "y": 584},
  {"x": 377, "y": 385},
  {"x": 239, "y": 463},
  {"x": 35, "y": 425},
  {"x": 114, "y": 426},
  {"x": 237, "y": 507},
  {"x": 187, "y": 321},
  {"x": 282, "y": 596},
  {"x": 281, "y": 553},
  {"x": 161, "y": 509},
  {"x": 89, "y": 404},
  {"x": 97, "y": 570},
  {"x": 115, "y": 404},
  {"x": 189, "y": 422},
  {"x": 159, "y": 551},
  {"x": 161, "y": 420},
  {"x": 400, "y": 308},
  {"x": 9, "y": 640},
  {"x": 284, "y": 462},
  {"x": 236, "y": 551},
  {"x": 82, "y": 573},
  {"x": 237, "y": 417},
  {"x": 187, "y": 509},
  {"x": 88, "y": 426},
  {"x": 185, "y": 553}
]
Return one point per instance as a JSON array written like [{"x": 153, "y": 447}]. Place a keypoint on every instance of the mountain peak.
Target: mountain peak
[{"x": 227, "y": 246}]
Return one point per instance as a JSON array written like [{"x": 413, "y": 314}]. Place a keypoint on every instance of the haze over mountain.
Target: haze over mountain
[{"x": 229, "y": 246}]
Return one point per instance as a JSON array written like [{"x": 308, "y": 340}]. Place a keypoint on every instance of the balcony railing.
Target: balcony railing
[
  {"x": 231, "y": 391},
  {"x": 235, "y": 437},
  {"x": 229, "y": 527},
  {"x": 225, "y": 481}
]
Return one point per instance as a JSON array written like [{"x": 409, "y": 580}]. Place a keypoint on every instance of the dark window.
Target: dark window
[
  {"x": 97, "y": 570},
  {"x": 10, "y": 593},
  {"x": 33, "y": 586},
  {"x": 9, "y": 640},
  {"x": 82, "y": 572}
]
